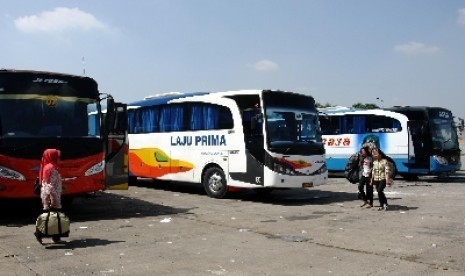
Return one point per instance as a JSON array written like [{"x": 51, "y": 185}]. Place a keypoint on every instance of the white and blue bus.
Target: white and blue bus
[
  {"x": 420, "y": 140},
  {"x": 258, "y": 139}
]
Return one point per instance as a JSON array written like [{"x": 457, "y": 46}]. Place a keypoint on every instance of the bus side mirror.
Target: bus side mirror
[
  {"x": 121, "y": 118},
  {"x": 110, "y": 116}
]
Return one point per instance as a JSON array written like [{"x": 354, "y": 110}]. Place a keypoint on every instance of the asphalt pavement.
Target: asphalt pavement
[{"x": 161, "y": 228}]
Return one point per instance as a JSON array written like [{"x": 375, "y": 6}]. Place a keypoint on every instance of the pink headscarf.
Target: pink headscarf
[{"x": 49, "y": 161}]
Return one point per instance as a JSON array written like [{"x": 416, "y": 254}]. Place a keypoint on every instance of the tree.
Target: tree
[
  {"x": 360, "y": 105},
  {"x": 318, "y": 105}
]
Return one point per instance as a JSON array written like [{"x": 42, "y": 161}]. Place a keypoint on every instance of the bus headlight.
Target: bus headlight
[
  {"x": 95, "y": 169},
  {"x": 279, "y": 168},
  {"x": 321, "y": 170},
  {"x": 11, "y": 174},
  {"x": 441, "y": 160}
]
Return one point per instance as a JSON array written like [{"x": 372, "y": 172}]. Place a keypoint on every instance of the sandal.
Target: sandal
[{"x": 364, "y": 204}]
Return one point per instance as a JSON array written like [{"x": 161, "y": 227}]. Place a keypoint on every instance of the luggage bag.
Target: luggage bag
[{"x": 52, "y": 224}]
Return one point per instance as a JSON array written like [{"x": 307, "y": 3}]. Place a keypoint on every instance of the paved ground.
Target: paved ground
[{"x": 175, "y": 229}]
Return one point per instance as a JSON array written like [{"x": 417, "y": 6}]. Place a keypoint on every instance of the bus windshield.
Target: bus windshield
[
  {"x": 47, "y": 116},
  {"x": 443, "y": 131},
  {"x": 444, "y": 135},
  {"x": 291, "y": 118},
  {"x": 284, "y": 124}
]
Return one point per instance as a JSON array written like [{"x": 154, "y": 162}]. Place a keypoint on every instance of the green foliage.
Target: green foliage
[
  {"x": 358, "y": 105},
  {"x": 365, "y": 106},
  {"x": 318, "y": 105}
]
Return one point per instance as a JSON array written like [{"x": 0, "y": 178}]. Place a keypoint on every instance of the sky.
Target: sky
[{"x": 396, "y": 52}]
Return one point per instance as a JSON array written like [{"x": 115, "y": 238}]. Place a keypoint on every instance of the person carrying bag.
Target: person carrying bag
[{"x": 52, "y": 222}]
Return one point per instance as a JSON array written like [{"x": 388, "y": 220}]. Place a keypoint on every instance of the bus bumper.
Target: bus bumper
[{"x": 286, "y": 181}]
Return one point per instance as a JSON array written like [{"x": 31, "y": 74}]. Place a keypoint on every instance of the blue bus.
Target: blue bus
[{"x": 420, "y": 140}]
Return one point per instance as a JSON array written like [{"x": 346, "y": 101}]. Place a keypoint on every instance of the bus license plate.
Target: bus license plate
[{"x": 307, "y": 184}]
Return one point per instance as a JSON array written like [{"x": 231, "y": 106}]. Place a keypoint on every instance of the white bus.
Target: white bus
[
  {"x": 258, "y": 139},
  {"x": 420, "y": 140}
]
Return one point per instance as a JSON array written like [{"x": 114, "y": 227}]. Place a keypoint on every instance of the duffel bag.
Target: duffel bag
[{"x": 52, "y": 224}]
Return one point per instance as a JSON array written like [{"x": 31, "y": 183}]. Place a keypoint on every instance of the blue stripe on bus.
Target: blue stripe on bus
[
  {"x": 338, "y": 164},
  {"x": 436, "y": 167}
]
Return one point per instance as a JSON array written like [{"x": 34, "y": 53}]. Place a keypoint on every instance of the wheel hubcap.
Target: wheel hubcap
[{"x": 215, "y": 182}]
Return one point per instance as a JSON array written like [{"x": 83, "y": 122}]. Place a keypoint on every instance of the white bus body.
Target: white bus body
[
  {"x": 221, "y": 140},
  {"x": 410, "y": 142}
]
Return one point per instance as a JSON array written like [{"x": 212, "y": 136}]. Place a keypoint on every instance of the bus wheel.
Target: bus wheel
[
  {"x": 132, "y": 180},
  {"x": 214, "y": 183}
]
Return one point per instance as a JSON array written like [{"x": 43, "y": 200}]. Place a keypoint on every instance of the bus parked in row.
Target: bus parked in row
[
  {"x": 434, "y": 137},
  {"x": 40, "y": 110},
  {"x": 420, "y": 140},
  {"x": 257, "y": 139}
]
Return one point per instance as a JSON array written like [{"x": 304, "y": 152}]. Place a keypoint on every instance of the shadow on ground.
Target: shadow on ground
[
  {"x": 81, "y": 243},
  {"x": 285, "y": 197},
  {"x": 101, "y": 206}
]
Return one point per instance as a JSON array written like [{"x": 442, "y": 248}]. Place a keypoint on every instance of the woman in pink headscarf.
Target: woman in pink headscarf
[{"x": 50, "y": 179}]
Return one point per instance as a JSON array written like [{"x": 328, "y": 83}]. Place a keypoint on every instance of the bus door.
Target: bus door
[
  {"x": 418, "y": 139},
  {"x": 252, "y": 120},
  {"x": 116, "y": 145}
]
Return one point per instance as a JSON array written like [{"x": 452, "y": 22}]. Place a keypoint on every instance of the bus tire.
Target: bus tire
[
  {"x": 132, "y": 180},
  {"x": 214, "y": 182}
]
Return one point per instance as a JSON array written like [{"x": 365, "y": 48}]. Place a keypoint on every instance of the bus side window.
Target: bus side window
[
  {"x": 331, "y": 125},
  {"x": 324, "y": 124},
  {"x": 359, "y": 126},
  {"x": 165, "y": 118},
  {"x": 336, "y": 124},
  {"x": 396, "y": 126},
  {"x": 225, "y": 118},
  {"x": 205, "y": 116}
]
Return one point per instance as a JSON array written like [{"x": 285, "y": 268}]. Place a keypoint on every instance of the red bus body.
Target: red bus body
[{"x": 40, "y": 110}]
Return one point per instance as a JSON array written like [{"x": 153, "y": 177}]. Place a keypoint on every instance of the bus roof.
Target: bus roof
[
  {"x": 164, "y": 98},
  {"x": 4, "y": 71},
  {"x": 338, "y": 108},
  {"x": 14, "y": 81},
  {"x": 353, "y": 111},
  {"x": 414, "y": 108},
  {"x": 418, "y": 112}
]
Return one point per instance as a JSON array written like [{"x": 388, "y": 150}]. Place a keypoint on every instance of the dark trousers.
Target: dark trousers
[
  {"x": 368, "y": 196},
  {"x": 380, "y": 185}
]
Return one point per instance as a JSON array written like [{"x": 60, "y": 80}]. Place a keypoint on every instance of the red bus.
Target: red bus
[{"x": 40, "y": 110}]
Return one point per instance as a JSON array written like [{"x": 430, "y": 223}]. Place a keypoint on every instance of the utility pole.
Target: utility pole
[
  {"x": 83, "y": 67},
  {"x": 381, "y": 102}
]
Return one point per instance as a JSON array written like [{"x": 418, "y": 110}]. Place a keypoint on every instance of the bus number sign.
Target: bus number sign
[
  {"x": 444, "y": 114},
  {"x": 51, "y": 101}
]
